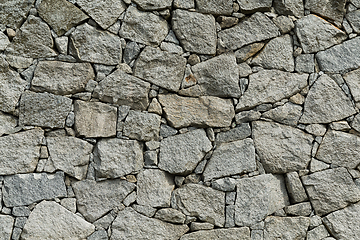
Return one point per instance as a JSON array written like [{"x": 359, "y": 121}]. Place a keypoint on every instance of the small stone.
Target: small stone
[
  {"x": 4, "y": 41},
  {"x": 19, "y": 62},
  {"x": 167, "y": 131},
  {"x": 300, "y": 209},
  {"x": 144, "y": 210},
  {"x": 7, "y": 124},
  {"x": 254, "y": 6},
  {"x": 193, "y": 59},
  {"x": 227, "y": 22},
  {"x": 248, "y": 51},
  {"x": 295, "y": 188},
  {"x": 247, "y": 116},
  {"x": 61, "y": 44},
  {"x": 230, "y": 198},
  {"x": 316, "y": 165},
  {"x": 286, "y": 227},
  {"x": 98, "y": 235},
  {"x": 352, "y": 80},
  {"x": 131, "y": 198},
  {"x": 304, "y": 63},
  {"x": 197, "y": 226},
  {"x": 171, "y": 48},
  {"x": 105, "y": 221},
  {"x": 6, "y": 225},
  {"x": 316, "y": 129},
  {"x": 153, "y": 4},
  {"x": 241, "y": 131},
  {"x": 244, "y": 70},
  {"x": 184, "y": 4},
  {"x": 20, "y": 222},
  {"x": 69, "y": 204},
  {"x": 333, "y": 9},
  {"x": 224, "y": 184},
  {"x": 288, "y": 114},
  {"x": 319, "y": 232},
  {"x": 20, "y": 211},
  {"x": 170, "y": 215},
  {"x": 150, "y": 159},
  {"x": 353, "y": 18},
  {"x": 13, "y": 13},
  {"x": 293, "y": 7},
  {"x": 218, "y": 234},
  {"x": 155, "y": 107},
  {"x": 152, "y": 145}
]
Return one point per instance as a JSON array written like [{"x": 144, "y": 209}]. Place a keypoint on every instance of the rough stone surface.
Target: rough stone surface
[
  {"x": 95, "y": 199},
  {"x": 132, "y": 225},
  {"x": 258, "y": 197},
  {"x": 202, "y": 202},
  {"x": 44, "y": 110},
  {"x": 333, "y": 9},
  {"x": 281, "y": 148},
  {"x": 219, "y": 234},
  {"x": 170, "y": 215},
  {"x": 326, "y": 102},
  {"x": 286, "y": 228},
  {"x": 241, "y": 131},
  {"x": 270, "y": 86},
  {"x": 142, "y": 126},
  {"x": 288, "y": 114},
  {"x": 180, "y": 154},
  {"x": 117, "y": 157},
  {"x": 331, "y": 190},
  {"x": 293, "y": 7},
  {"x": 295, "y": 188},
  {"x": 161, "y": 68},
  {"x": 40, "y": 224},
  {"x": 13, "y": 12},
  {"x": 7, "y": 124},
  {"x": 6, "y": 225},
  {"x": 204, "y": 111},
  {"x": 223, "y": 7},
  {"x": 352, "y": 79},
  {"x": 25, "y": 189},
  {"x": 353, "y": 19},
  {"x": 61, "y": 78}
]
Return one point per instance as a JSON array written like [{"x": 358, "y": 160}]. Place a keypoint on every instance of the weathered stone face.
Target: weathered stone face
[{"x": 13, "y": 12}]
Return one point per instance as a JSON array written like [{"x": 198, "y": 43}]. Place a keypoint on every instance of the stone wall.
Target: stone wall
[{"x": 179, "y": 119}]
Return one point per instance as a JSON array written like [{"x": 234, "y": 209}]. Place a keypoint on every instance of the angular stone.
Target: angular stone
[
  {"x": 202, "y": 202},
  {"x": 248, "y": 51},
  {"x": 205, "y": 111},
  {"x": 117, "y": 157},
  {"x": 254, "y": 5},
  {"x": 339, "y": 148},
  {"x": 315, "y": 34},
  {"x": 144, "y": 210},
  {"x": 195, "y": 31},
  {"x": 270, "y": 86},
  {"x": 288, "y": 114},
  {"x": 218, "y": 76},
  {"x": 216, "y": 7},
  {"x": 33, "y": 40},
  {"x": 161, "y": 68},
  {"x": 180, "y": 154},
  {"x": 143, "y": 27},
  {"x": 326, "y": 102},
  {"x": 98, "y": 235},
  {"x": 40, "y": 224},
  {"x": 25, "y": 189},
  {"x": 44, "y": 110},
  {"x": 13, "y": 12},
  {"x": 7, "y": 124},
  {"x": 241, "y": 131},
  {"x": 332, "y": 9},
  {"x": 224, "y": 184},
  {"x": 196, "y": 226},
  {"x": 95, "y": 199},
  {"x": 286, "y": 228},
  {"x": 293, "y": 7},
  {"x": 219, "y": 234},
  {"x": 4, "y": 41},
  {"x": 352, "y": 79},
  {"x": 355, "y": 124},
  {"x": 277, "y": 54},
  {"x": 340, "y": 58},
  {"x": 281, "y": 148},
  {"x": 354, "y": 18},
  {"x": 93, "y": 119},
  {"x": 123, "y": 89},
  {"x": 257, "y": 197},
  {"x": 300, "y": 209},
  {"x": 104, "y": 12},
  {"x": 343, "y": 224},
  {"x": 305, "y": 63},
  {"x": 61, "y": 78},
  {"x": 6, "y": 225},
  {"x": 70, "y": 154},
  {"x": 254, "y": 29},
  {"x": 316, "y": 166},
  {"x": 154, "y": 188},
  {"x": 295, "y": 188},
  {"x": 319, "y": 232},
  {"x": 91, "y": 45},
  {"x": 170, "y": 215},
  {"x": 61, "y": 15},
  {"x": 230, "y": 159},
  {"x": 153, "y": 4},
  {"x": 133, "y": 226},
  {"x": 11, "y": 88},
  {"x": 331, "y": 190}
]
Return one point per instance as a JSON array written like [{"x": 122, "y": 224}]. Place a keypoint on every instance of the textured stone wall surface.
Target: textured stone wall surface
[{"x": 179, "y": 119}]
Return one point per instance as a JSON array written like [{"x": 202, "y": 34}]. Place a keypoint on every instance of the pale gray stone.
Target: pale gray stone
[
  {"x": 277, "y": 54},
  {"x": 241, "y": 131},
  {"x": 185, "y": 4},
  {"x": 319, "y": 232},
  {"x": 170, "y": 215},
  {"x": 131, "y": 198},
  {"x": 305, "y": 63},
  {"x": 254, "y": 29},
  {"x": 105, "y": 221},
  {"x": 288, "y": 114},
  {"x": 33, "y": 40},
  {"x": 286, "y": 228},
  {"x": 4, "y": 41},
  {"x": 315, "y": 34},
  {"x": 153, "y": 4},
  {"x": 6, "y": 225},
  {"x": 316, "y": 129},
  {"x": 355, "y": 124},
  {"x": 13, "y": 12},
  {"x": 123, "y": 89},
  {"x": 205, "y": 111},
  {"x": 98, "y": 235},
  {"x": 61, "y": 15},
  {"x": 230, "y": 159},
  {"x": 69, "y": 204},
  {"x": 343, "y": 224},
  {"x": 246, "y": 52},
  {"x": 150, "y": 159},
  {"x": 316, "y": 165},
  {"x": 216, "y": 7},
  {"x": 25, "y": 189},
  {"x": 295, "y": 188},
  {"x": 354, "y": 18},
  {"x": 257, "y": 197},
  {"x": 180, "y": 154},
  {"x": 300, "y": 209},
  {"x": 195, "y": 31},
  {"x": 143, "y": 27},
  {"x": 244, "y": 70},
  {"x": 93, "y": 119},
  {"x": 22, "y": 211},
  {"x": 171, "y": 48},
  {"x": 91, "y": 45},
  {"x": 202, "y": 202},
  {"x": 292, "y": 7},
  {"x": 285, "y": 24},
  {"x": 340, "y": 58},
  {"x": 326, "y": 102},
  {"x": 340, "y": 148},
  {"x": 219, "y": 234},
  {"x": 19, "y": 152},
  {"x": 230, "y": 216},
  {"x": 247, "y": 116},
  {"x": 62, "y": 44},
  {"x": 144, "y": 210},
  {"x": 154, "y": 188},
  {"x": 224, "y": 184},
  {"x": 197, "y": 226},
  {"x": 331, "y": 190},
  {"x": 117, "y": 157},
  {"x": 167, "y": 131},
  {"x": 19, "y": 62},
  {"x": 254, "y": 5},
  {"x": 161, "y": 68},
  {"x": 270, "y": 86},
  {"x": 281, "y": 148},
  {"x": 44, "y": 110},
  {"x": 95, "y": 199},
  {"x": 40, "y": 224},
  {"x": 352, "y": 79},
  {"x": 61, "y": 78},
  {"x": 133, "y": 226},
  {"x": 333, "y": 9},
  {"x": 104, "y": 12},
  {"x": 70, "y": 154},
  {"x": 7, "y": 124}
]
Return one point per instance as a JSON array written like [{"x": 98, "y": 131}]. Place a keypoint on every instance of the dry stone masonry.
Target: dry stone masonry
[{"x": 179, "y": 120}]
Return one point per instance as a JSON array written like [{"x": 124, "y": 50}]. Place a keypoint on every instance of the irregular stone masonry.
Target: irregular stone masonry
[{"x": 180, "y": 119}]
